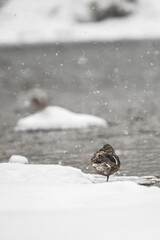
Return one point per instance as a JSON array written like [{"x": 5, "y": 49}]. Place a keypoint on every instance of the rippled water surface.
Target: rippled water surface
[{"x": 118, "y": 81}]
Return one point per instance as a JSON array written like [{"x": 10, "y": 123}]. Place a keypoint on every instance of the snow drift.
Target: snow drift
[{"x": 58, "y": 118}]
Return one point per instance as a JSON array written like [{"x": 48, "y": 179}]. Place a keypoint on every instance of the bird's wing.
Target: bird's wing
[
  {"x": 101, "y": 157},
  {"x": 109, "y": 159}
]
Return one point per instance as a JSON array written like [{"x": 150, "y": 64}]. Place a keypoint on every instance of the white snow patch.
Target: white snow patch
[
  {"x": 57, "y": 202},
  {"x": 58, "y": 118},
  {"x": 18, "y": 159},
  {"x": 28, "y": 21}
]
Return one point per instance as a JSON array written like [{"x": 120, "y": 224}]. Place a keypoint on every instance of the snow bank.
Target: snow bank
[
  {"x": 28, "y": 21},
  {"x": 57, "y": 202},
  {"x": 58, "y": 118},
  {"x": 18, "y": 159},
  {"x": 50, "y": 187}
]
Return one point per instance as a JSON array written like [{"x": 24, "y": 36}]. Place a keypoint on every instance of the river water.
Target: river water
[{"x": 118, "y": 81}]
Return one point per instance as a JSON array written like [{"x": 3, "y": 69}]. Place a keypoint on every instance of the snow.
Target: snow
[
  {"x": 57, "y": 202},
  {"x": 18, "y": 159},
  {"x": 54, "y": 117},
  {"x": 28, "y": 21}
]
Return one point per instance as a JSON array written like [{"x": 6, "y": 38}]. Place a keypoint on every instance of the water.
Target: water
[{"x": 118, "y": 81}]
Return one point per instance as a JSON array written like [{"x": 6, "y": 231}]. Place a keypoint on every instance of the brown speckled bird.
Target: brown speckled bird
[{"x": 105, "y": 161}]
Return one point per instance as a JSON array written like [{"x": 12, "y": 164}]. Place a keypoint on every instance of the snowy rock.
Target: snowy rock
[
  {"x": 58, "y": 118},
  {"x": 18, "y": 159},
  {"x": 101, "y": 10}
]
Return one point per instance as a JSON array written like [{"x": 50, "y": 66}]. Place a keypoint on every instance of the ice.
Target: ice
[
  {"x": 18, "y": 159},
  {"x": 58, "y": 202},
  {"x": 54, "y": 117}
]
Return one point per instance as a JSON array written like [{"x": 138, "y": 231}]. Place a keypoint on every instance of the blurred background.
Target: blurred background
[{"x": 88, "y": 56}]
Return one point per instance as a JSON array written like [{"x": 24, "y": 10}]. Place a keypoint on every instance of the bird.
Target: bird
[
  {"x": 38, "y": 99},
  {"x": 105, "y": 161}
]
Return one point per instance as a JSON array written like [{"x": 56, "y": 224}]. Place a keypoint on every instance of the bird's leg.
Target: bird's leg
[{"x": 107, "y": 178}]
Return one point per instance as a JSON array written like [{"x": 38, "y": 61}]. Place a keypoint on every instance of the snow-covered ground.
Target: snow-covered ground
[
  {"x": 28, "y": 21},
  {"x": 58, "y": 118},
  {"x": 57, "y": 202}
]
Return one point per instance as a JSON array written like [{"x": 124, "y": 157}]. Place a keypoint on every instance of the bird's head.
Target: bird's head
[{"x": 108, "y": 149}]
